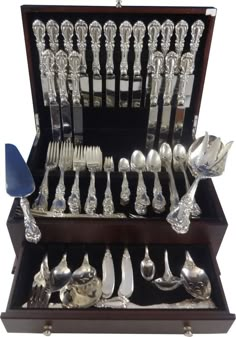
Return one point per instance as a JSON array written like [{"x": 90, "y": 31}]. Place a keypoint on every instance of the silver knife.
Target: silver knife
[
  {"x": 125, "y": 30},
  {"x": 67, "y": 30},
  {"x": 108, "y": 272},
  {"x": 39, "y": 33},
  {"x": 110, "y": 33},
  {"x": 139, "y": 29},
  {"x": 156, "y": 83},
  {"x": 126, "y": 287},
  {"x": 53, "y": 33},
  {"x": 181, "y": 30},
  {"x": 167, "y": 29},
  {"x": 81, "y": 30},
  {"x": 48, "y": 64},
  {"x": 95, "y": 31},
  {"x": 62, "y": 63},
  {"x": 170, "y": 69},
  {"x": 154, "y": 28}
]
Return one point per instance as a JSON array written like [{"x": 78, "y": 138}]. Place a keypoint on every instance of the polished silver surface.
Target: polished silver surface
[
  {"x": 53, "y": 33},
  {"x": 49, "y": 214},
  {"x": 85, "y": 272},
  {"x": 147, "y": 266},
  {"x": 167, "y": 29},
  {"x": 48, "y": 66},
  {"x": 139, "y": 29},
  {"x": 62, "y": 64},
  {"x": 108, "y": 204},
  {"x": 67, "y": 30},
  {"x": 95, "y": 31},
  {"x": 166, "y": 161},
  {"x": 138, "y": 164},
  {"x": 125, "y": 30},
  {"x": 124, "y": 167},
  {"x": 195, "y": 280},
  {"x": 81, "y": 30},
  {"x": 206, "y": 159},
  {"x": 41, "y": 202},
  {"x": 197, "y": 29},
  {"x": 20, "y": 184},
  {"x": 153, "y": 164},
  {"x": 181, "y": 30},
  {"x": 126, "y": 287},
  {"x": 179, "y": 164},
  {"x": 167, "y": 282},
  {"x": 79, "y": 164},
  {"x": 110, "y": 34},
  {"x": 108, "y": 275},
  {"x": 74, "y": 70},
  {"x": 39, "y": 30}
]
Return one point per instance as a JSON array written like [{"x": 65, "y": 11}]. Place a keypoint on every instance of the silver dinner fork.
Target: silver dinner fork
[
  {"x": 65, "y": 164},
  {"x": 41, "y": 202},
  {"x": 108, "y": 205},
  {"x": 79, "y": 164},
  {"x": 94, "y": 164}
]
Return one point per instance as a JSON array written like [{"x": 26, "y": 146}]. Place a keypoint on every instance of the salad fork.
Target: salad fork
[
  {"x": 65, "y": 164},
  {"x": 41, "y": 202},
  {"x": 108, "y": 205}
]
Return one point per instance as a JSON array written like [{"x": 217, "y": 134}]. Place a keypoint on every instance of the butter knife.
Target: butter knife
[
  {"x": 74, "y": 71},
  {"x": 48, "y": 64},
  {"x": 62, "y": 63},
  {"x": 81, "y": 30},
  {"x": 53, "y": 32},
  {"x": 126, "y": 287},
  {"x": 39, "y": 33},
  {"x": 125, "y": 30},
  {"x": 67, "y": 30},
  {"x": 110, "y": 33},
  {"x": 95, "y": 31},
  {"x": 138, "y": 33}
]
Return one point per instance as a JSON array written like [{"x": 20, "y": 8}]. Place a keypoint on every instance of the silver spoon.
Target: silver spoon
[
  {"x": 154, "y": 165},
  {"x": 124, "y": 167},
  {"x": 138, "y": 164},
  {"x": 147, "y": 266},
  {"x": 195, "y": 279},
  {"x": 166, "y": 159},
  {"x": 179, "y": 163},
  {"x": 59, "y": 275},
  {"x": 85, "y": 272},
  {"x": 167, "y": 282}
]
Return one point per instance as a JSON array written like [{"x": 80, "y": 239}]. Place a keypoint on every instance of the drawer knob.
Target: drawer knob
[
  {"x": 188, "y": 331},
  {"x": 47, "y": 330}
]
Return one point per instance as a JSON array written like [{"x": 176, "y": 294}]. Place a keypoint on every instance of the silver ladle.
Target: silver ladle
[{"x": 147, "y": 266}]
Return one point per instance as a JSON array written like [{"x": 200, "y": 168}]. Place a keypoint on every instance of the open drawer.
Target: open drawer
[{"x": 100, "y": 320}]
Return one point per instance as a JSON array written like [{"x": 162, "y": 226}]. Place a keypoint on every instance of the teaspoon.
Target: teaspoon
[{"x": 147, "y": 266}]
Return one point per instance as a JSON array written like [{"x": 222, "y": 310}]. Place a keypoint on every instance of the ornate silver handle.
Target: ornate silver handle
[
  {"x": 174, "y": 197},
  {"x": 181, "y": 30},
  {"x": 108, "y": 205},
  {"x": 59, "y": 203},
  {"x": 62, "y": 62},
  {"x": 32, "y": 232},
  {"x": 67, "y": 30},
  {"x": 125, "y": 191},
  {"x": 53, "y": 33},
  {"x": 186, "y": 68},
  {"x": 39, "y": 33},
  {"x": 142, "y": 199},
  {"x": 41, "y": 202},
  {"x": 171, "y": 63},
  {"x": 48, "y": 63},
  {"x": 158, "y": 64},
  {"x": 125, "y": 35},
  {"x": 197, "y": 29},
  {"x": 139, "y": 29},
  {"x": 81, "y": 30},
  {"x": 154, "y": 28},
  {"x": 167, "y": 30},
  {"x": 95, "y": 30},
  {"x": 74, "y": 199},
  {"x": 74, "y": 64},
  {"x": 91, "y": 201},
  {"x": 110, "y": 33},
  {"x": 158, "y": 201}
]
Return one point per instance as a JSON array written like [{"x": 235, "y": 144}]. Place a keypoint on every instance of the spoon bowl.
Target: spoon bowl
[{"x": 147, "y": 267}]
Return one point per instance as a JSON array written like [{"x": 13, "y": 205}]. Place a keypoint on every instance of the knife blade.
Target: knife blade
[
  {"x": 139, "y": 29},
  {"x": 125, "y": 30},
  {"x": 20, "y": 184},
  {"x": 108, "y": 272},
  {"x": 48, "y": 64},
  {"x": 110, "y": 34},
  {"x": 74, "y": 69},
  {"x": 126, "y": 287},
  {"x": 62, "y": 63},
  {"x": 39, "y": 30},
  {"x": 156, "y": 83},
  {"x": 154, "y": 29},
  {"x": 53, "y": 32},
  {"x": 95, "y": 31},
  {"x": 170, "y": 68},
  {"x": 81, "y": 30},
  {"x": 186, "y": 69}
]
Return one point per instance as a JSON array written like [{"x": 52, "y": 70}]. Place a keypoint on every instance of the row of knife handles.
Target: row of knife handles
[{"x": 168, "y": 73}]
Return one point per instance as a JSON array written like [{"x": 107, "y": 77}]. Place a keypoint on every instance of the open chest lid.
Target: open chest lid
[{"x": 131, "y": 96}]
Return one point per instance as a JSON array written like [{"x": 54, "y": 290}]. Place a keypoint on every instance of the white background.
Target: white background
[{"x": 217, "y": 116}]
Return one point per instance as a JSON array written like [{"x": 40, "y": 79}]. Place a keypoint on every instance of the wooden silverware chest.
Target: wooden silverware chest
[{"x": 118, "y": 131}]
